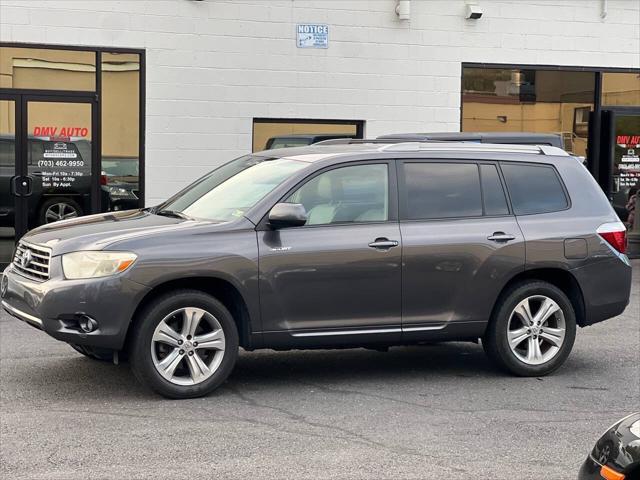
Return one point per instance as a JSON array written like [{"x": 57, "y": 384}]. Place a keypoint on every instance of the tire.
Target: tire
[
  {"x": 162, "y": 324},
  {"x": 58, "y": 208},
  {"x": 506, "y": 323},
  {"x": 100, "y": 354}
]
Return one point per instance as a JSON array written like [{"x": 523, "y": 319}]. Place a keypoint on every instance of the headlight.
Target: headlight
[{"x": 90, "y": 264}]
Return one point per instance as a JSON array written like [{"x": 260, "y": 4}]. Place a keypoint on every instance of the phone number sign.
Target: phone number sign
[{"x": 312, "y": 35}]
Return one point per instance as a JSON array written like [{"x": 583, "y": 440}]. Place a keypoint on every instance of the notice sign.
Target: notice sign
[{"x": 312, "y": 35}]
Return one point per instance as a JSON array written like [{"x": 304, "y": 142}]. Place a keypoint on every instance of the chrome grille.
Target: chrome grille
[{"x": 32, "y": 261}]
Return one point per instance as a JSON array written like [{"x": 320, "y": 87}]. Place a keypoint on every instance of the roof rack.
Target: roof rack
[
  {"x": 352, "y": 141},
  {"x": 473, "y": 147}
]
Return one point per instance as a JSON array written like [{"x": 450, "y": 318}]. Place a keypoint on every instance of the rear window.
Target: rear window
[
  {"x": 442, "y": 190},
  {"x": 534, "y": 189}
]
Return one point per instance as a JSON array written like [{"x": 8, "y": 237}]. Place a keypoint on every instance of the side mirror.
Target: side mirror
[{"x": 284, "y": 215}]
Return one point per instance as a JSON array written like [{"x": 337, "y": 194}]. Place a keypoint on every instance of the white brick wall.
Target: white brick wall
[{"x": 214, "y": 65}]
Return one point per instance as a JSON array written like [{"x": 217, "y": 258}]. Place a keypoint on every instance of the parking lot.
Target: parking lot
[{"x": 437, "y": 411}]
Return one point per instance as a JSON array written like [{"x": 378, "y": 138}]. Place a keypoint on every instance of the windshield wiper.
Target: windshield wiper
[{"x": 173, "y": 213}]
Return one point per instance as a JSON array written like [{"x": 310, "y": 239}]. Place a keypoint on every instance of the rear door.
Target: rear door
[{"x": 461, "y": 243}]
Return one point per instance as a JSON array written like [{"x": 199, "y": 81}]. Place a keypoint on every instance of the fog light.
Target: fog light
[{"x": 87, "y": 324}]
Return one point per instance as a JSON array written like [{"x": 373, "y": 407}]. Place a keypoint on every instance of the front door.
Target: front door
[
  {"x": 336, "y": 279},
  {"x": 47, "y": 163}
]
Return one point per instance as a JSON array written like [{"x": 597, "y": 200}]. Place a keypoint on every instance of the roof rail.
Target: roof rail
[
  {"x": 473, "y": 147},
  {"x": 351, "y": 141}
]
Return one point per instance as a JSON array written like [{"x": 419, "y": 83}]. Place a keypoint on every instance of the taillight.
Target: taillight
[
  {"x": 615, "y": 234},
  {"x": 610, "y": 474},
  {"x": 103, "y": 179}
]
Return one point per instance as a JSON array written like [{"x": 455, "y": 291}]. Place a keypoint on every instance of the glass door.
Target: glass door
[
  {"x": 626, "y": 157},
  {"x": 59, "y": 160},
  {"x": 8, "y": 178},
  {"x": 47, "y": 160}
]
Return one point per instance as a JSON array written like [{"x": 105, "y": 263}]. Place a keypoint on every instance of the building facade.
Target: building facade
[{"x": 164, "y": 91}]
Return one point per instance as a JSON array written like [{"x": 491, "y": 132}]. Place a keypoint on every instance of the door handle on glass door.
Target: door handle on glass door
[
  {"x": 501, "y": 237},
  {"x": 383, "y": 243}
]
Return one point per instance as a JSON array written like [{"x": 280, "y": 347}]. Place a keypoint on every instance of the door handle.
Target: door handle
[
  {"x": 22, "y": 186},
  {"x": 14, "y": 189},
  {"x": 383, "y": 243},
  {"x": 501, "y": 237},
  {"x": 27, "y": 183}
]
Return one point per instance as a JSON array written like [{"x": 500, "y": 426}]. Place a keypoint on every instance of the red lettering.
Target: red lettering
[
  {"x": 84, "y": 131},
  {"x": 36, "y": 131}
]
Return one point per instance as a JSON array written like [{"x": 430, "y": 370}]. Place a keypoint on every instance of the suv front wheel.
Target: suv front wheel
[
  {"x": 184, "y": 344},
  {"x": 532, "y": 330}
]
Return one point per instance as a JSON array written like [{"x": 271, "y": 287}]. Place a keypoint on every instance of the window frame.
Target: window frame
[
  {"x": 392, "y": 190},
  {"x": 563, "y": 187},
  {"x": 403, "y": 193},
  {"x": 95, "y": 95}
]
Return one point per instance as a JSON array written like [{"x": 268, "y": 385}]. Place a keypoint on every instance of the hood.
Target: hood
[{"x": 96, "y": 232}]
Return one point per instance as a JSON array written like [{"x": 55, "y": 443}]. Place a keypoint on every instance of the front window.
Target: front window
[
  {"x": 230, "y": 191},
  {"x": 353, "y": 194}
]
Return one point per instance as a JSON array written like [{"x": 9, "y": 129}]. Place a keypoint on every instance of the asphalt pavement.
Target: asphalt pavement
[{"x": 439, "y": 411}]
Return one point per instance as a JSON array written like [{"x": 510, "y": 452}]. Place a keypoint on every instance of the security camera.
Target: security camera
[{"x": 474, "y": 12}]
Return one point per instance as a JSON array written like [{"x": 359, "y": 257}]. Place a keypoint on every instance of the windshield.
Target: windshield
[{"x": 231, "y": 190}]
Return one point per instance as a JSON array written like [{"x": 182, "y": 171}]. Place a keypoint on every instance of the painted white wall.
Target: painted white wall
[{"x": 213, "y": 65}]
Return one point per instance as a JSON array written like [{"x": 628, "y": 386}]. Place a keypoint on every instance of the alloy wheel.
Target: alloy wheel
[
  {"x": 60, "y": 211},
  {"x": 536, "y": 330},
  {"x": 187, "y": 346}
]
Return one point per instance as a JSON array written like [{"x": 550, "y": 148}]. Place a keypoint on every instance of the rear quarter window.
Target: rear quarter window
[{"x": 534, "y": 189}]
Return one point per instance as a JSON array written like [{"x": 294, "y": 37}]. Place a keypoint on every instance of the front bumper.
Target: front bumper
[{"x": 53, "y": 305}]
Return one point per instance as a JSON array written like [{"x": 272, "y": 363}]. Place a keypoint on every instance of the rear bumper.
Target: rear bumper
[
  {"x": 606, "y": 288},
  {"x": 52, "y": 306}
]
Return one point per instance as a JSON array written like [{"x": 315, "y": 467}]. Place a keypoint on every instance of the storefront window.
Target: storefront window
[
  {"x": 528, "y": 100},
  {"x": 621, "y": 89},
  {"x": 269, "y": 134},
  {"x": 47, "y": 69},
  {"x": 119, "y": 181}
]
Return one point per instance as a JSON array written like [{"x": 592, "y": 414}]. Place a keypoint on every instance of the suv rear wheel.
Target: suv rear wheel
[
  {"x": 532, "y": 330},
  {"x": 184, "y": 344}
]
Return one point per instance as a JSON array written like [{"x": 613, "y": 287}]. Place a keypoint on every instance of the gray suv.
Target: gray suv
[{"x": 334, "y": 246}]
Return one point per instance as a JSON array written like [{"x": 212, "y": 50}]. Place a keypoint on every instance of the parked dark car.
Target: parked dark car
[
  {"x": 519, "y": 138},
  {"x": 119, "y": 183},
  {"x": 61, "y": 176},
  {"x": 329, "y": 247},
  {"x": 302, "y": 140},
  {"x": 616, "y": 456}
]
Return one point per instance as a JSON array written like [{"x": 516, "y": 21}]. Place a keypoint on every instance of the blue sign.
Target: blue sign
[{"x": 312, "y": 35}]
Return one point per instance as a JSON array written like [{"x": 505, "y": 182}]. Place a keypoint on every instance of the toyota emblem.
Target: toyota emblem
[{"x": 26, "y": 259}]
